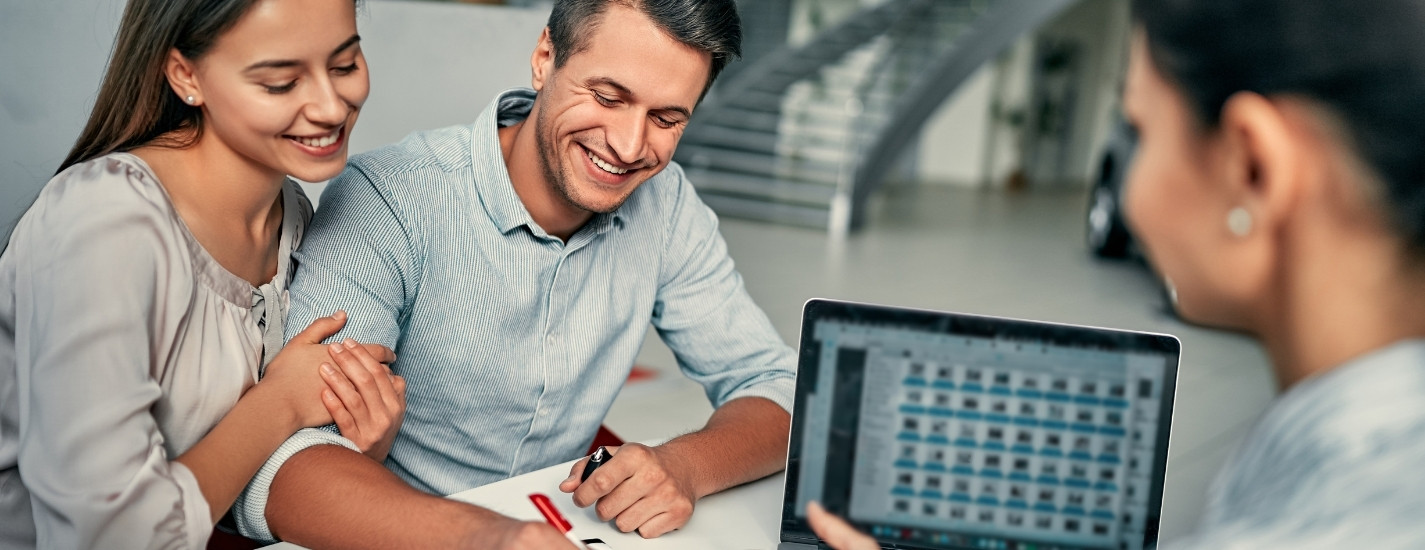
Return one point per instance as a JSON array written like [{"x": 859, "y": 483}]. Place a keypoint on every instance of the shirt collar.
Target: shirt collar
[{"x": 492, "y": 176}]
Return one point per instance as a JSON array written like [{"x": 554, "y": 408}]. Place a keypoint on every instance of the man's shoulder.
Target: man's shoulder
[{"x": 443, "y": 150}]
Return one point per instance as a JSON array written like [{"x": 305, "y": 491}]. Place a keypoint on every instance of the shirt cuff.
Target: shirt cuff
[
  {"x": 250, "y": 510},
  {"x": 781, "y": 391},
  {"x": 199, "y": 517}
]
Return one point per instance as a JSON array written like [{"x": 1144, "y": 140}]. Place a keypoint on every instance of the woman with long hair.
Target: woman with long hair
[
  {"x": 144, "y": 292},
  {"x": 1279, "y": 185}
]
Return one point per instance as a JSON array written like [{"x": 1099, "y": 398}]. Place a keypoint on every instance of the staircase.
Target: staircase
[{"x": 805, "y": 134}]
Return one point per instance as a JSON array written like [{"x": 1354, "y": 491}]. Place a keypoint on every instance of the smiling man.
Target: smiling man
[{"x": 515, "y": 264}]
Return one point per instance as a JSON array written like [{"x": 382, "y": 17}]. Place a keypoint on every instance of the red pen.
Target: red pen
[{"x": 555, "y": 519}]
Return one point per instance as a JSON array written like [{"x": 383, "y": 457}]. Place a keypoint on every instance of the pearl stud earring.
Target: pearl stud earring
[
  {"x": 1239, "y": 222},
  {"x": 190, "y": 99}
]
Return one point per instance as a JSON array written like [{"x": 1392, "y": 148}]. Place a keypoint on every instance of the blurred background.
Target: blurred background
[{"x": 962, "y": 155}]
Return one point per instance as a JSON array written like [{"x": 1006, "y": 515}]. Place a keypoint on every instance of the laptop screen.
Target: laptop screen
[{"x": 937, "y": 430}]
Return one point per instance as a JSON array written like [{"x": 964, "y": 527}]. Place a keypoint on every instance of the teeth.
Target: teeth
[
  {"x": 606, "y": 166},
  {"x": 319, "y": 142}
]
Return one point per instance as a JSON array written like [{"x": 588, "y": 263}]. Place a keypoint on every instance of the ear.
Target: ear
[
  {"x": 1264, "y": 159},
  {"x": 1258, "y": 167},
  {"x": 181, "y": 78},
  {"x": 541, "y": 63}
]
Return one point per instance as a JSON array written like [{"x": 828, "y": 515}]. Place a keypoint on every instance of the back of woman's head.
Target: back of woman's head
[
  {"x": 1362, "y": 61},
  {"x": 135, "y": 105}
]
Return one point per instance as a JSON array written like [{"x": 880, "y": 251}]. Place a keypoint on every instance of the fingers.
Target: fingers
[
  {"x": 399, "y": 384},
  {"x": 655, "y": 514},
  {"x": 380, "y": 353},
  {"x": 344, "y": 422},
  {"x": 836, "y": 532},
  {"x": 572, "y": 482},
  {"x": 537, "y": 535},
  {"x": 353, "y": 356},
  {"x": 609, "y": 476},
  {"x": 660, "y": 525},
  {"x": 352, "y": 404},
  {"x": 321, "y": 329}
]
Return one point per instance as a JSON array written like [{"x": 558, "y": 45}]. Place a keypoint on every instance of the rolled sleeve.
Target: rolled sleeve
[
  {"x": 780, "y": 390},
  {"x": 250, "y": 510},
  {"x": 719, "y": 336}
]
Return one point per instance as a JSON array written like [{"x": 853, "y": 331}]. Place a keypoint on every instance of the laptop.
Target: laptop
[{"x": 932, "y": 431}]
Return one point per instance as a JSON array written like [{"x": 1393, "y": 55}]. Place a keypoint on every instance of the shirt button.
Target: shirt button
[{"x": 549, "y": 339}]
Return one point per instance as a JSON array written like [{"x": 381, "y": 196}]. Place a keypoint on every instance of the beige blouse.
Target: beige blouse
[{"x": 122, "y": 342}]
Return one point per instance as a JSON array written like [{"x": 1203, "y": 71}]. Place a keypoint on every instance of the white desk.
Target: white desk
[{"x": 743, "y": 518}]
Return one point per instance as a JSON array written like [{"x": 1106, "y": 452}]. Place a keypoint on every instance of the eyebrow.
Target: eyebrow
[
  {"x": 606, "y": 81},
  {"x": 285, "y": 63}
]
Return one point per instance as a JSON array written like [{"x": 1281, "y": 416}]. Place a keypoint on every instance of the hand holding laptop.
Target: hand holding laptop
[{"x": 837, "y": 533}]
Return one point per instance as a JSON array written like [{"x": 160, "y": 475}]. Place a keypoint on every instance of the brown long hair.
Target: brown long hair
[{"x": 135, "y": 105}]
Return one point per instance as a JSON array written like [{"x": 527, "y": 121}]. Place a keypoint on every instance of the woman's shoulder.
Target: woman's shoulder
[
  {"x": 113, "y": 198},
  {"x": 117, "y": 184}
]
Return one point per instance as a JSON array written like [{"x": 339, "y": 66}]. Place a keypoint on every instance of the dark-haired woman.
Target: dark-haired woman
[
  {"x": 145, "y": 289},
  {"x": 1279, "y": 184}
]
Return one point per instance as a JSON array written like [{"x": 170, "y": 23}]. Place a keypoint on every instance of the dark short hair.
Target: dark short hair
[
  {"x": 1363, "y": 62},
  {"x": 711, "y": 26}
]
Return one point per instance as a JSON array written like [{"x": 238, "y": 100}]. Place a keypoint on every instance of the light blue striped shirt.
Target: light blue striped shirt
[
  {"x": 1336, "y": 462},
  {"x": 514, "y": 343}
]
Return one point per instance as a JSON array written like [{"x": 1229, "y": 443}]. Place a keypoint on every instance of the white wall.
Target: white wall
[
  {"x": 1101, "y": 26},
  {"x": 51, "y": 57},
  {"x": 952, "y": 145},
  {"x": 432, "y": 65},
  {"x": 962, "y": 144},
  {"x": 436, "y": 64}
]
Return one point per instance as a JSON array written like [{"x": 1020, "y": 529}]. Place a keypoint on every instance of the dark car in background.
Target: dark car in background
[{"x": 1106, "y": 231}]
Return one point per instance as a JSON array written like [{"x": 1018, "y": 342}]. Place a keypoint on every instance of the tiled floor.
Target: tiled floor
[{"x": 1018, "y": 255}]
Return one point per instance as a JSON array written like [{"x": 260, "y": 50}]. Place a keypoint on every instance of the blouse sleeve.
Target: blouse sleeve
[{"x": 101, "y": 275}]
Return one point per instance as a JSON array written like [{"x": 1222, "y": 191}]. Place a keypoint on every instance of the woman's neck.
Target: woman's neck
[
  {"x": 217, "y": 184},
  {"x": 1340, "y": 299},
  {"x": 231, "y": 204}
]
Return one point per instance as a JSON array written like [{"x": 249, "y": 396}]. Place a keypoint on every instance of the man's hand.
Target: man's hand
[
  {"x": 836, "y": 532},
  {"x": 641, "y": 488},
  {"x": 511, "y": 534},
  {"x": 364, "y": 399}
]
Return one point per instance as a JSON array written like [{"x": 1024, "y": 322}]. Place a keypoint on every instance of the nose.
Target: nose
[
  {"x": 627, "y": 136},
  {"x": 325, "y": 107}
]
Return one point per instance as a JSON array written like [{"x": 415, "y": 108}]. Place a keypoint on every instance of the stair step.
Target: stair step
[
  {"x": 762, "y": 188},
  {"x": 784, "y": 214},
  {"x": 731, "y": 138},
  {"x": 758, "y": 100},
  {"x": 727, "y": 160}
]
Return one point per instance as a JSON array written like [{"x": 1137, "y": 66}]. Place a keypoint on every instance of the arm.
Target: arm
[
  {"x": 723, "y": 341},
  {"x": 331, "y": 497}
]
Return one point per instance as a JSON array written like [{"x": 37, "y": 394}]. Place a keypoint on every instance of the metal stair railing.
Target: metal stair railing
[
  {"x": 804, "y": 135},
  {"x": 999, "y": 27}
]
